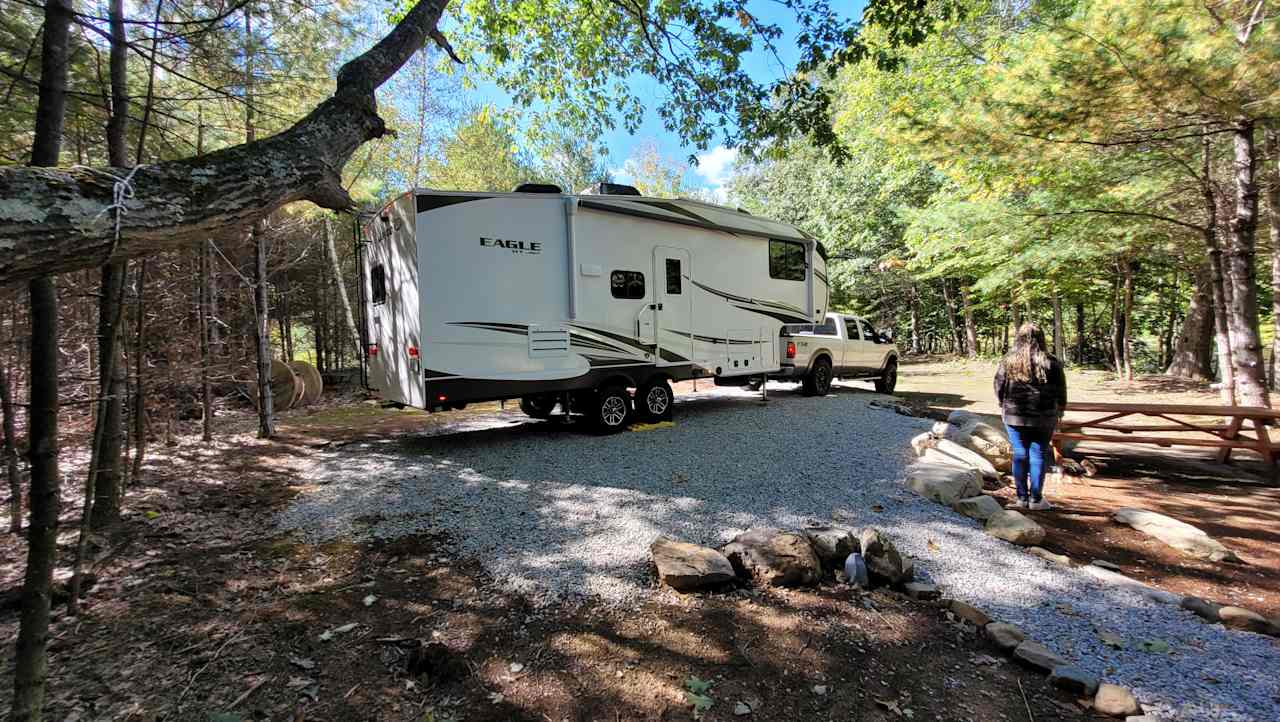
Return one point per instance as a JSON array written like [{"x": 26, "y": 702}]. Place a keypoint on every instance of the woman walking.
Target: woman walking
[{"x": 1031, "y": 389}]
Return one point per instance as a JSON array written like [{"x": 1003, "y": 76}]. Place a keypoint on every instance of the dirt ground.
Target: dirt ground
[
  {"x": 1233, "y": 503},
  {"x": 201, "y": 612}
]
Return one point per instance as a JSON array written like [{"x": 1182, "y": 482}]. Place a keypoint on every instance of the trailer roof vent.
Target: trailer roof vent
[
  {"x": 611, "y": 189},
  {"x": 537, "y": 188}
]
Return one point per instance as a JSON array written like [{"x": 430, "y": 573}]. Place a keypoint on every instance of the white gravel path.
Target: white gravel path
[{"x": 555, "y": 513}]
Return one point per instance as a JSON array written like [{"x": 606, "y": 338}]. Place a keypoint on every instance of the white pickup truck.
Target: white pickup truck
[{"x": 842, "y": 346}]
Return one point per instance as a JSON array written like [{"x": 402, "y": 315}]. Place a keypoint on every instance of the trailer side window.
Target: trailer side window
[
  {"x": 673, "y": 275},
  {"x": 627, "y": 284},
  {"x": 378, "y": 284},
  {"x": 786, "y": 260}
]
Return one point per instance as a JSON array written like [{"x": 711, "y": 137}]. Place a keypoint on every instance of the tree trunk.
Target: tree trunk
[
  {"x": 257, "y": 234},
  {"x": 1058, "y": 341},
  {"x": 54, "y": 222},
  {"x": 915, "y": 322},
  {"x": 1242, "y": 314},
  {"x": 1192, "y": 356},
  {"x": 1080, "y": 338},
  {"x": 1272, "y": 140},
  {"x": 10, "y": 451},
  {"x": 970, "y": 329},
  {"x": 105, "y": 459},
  {"x": 31, "y": 656},
  {"x": 202, "y": 294},
  {"x": 1117, "y": 323},
  {"x": 139, "y": 382},
  {"x": 1127, "y": 319},
  {"x": 957, "y": 342},
  {"x": 332, "y": 251}
]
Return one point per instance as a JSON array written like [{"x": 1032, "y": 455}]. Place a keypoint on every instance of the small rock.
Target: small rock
[
  {"x": 942, "y": 481},
  {"x": 1203, "y": 608},
  {"x": 1106, "y": 564},
  {"x": 820, "y": 689},
  {"x": 516, "y": 668},
  {"x": 969, "y": 613},
  {"x": 1074, "y": 680},
  {"x": 883, "y": 559},
  {"x": 774, "y": 558},
  {"x": 1036, "y": 655},
  {"x": 1005, "y": 636},
  {"x": 1246, "y": 619},
  {"x": 1116, "y": 701},
  {"x": 1014, "y": 528},
  {"x": 855, "y": 572},
  {"x": 741, "y": 709},
  {"x": 833, "y": 544},
  {"x": 978, "y": 507},
  {"x": 687, "y": 567},
  {"x": 1049, "y": 556},
  {"x": 921, "y": 590}
]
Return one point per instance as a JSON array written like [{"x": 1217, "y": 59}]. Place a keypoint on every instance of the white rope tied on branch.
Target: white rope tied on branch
[{"x": 121, "y": 191}]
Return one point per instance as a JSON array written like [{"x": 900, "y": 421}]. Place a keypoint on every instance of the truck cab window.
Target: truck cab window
[
  {"x": 851, "y": 329},
  {"x": 786, "y": 260},
  {"x": 826, "y": 328},
  {"x": 378, "y": 284},
  {"x": 673, "y": 275},
  {"x": 626, "y": 284},
  {"x": 868, "y": 333}
]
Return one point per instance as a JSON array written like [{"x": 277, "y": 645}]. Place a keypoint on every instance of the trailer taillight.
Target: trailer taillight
[
  {"x": 791, "y": 349},
  {"x": 373, "y": 349},
  {"x": 413, "y": 352}
]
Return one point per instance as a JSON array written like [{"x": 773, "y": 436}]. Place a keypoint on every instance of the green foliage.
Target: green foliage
[{"x": 482, "y": 155}]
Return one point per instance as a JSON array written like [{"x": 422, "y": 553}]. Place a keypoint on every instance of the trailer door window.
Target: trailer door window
[
  {"x": 786, "y": 260},
  {"x": 627, "y": 284},
  {"x": 378, "y": 284},
  {"x": 673, "y": 276}
]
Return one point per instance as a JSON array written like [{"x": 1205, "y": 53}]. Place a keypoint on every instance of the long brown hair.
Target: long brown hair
[{"x": 1028, "y": 361}]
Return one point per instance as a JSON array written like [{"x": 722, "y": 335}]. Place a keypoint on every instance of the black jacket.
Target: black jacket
[{"x": 1032, "y": 404}]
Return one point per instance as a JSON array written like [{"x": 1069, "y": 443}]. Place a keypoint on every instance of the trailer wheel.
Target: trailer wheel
[
  {"x": 654, "y": 400},
  {"x": 818, "y": 381},
  {"x": 611, "y": 410},
  {"x": 888, "y": 379},
  {"x": 755, "y": 383},
  {"x": 538, "y": 407}
]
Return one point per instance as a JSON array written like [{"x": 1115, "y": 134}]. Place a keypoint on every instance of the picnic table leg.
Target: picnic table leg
[
  {"x": 1233, "y": 430},
  {"x": 1264, "y": 448}
]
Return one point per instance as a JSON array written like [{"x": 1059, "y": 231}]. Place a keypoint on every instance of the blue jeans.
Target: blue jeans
[{"x": 1030, "y": 458}]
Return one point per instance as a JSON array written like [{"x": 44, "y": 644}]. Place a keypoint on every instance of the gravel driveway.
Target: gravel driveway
[{"x": 557, "y": 513}]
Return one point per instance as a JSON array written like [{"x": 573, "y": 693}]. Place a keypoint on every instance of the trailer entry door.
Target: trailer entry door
[{"x": 674, "y": 305}]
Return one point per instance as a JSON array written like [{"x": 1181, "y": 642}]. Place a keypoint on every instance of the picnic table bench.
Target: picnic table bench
[{"x": 1225, "y": 432}]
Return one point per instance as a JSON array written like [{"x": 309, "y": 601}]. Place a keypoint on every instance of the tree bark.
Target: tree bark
[
  {"x": 957, "y": 341},
  {"x": 1117, "y": 322},
  {"x": 31, "y": 656},
  {"x": 970, "y": 329},
  {"x": 1192, "y": 356},
  {"x": 105, "y": 461},
  {"x": 10, "y": 451},
  {"x": 54, "y": 219},
  {"x": 332, "y": 251},
  {"x": 202, "y": 295},
  {"x": 1271, "y": 136},
  {"x": 1246, "y": 344},
  {"x": 1080, "y": 338},
  {"x": 257, "y": 234},
  {"x": 1058, "y": 341},
  {"x": 1126, "y": 337},
  {"x": 915, "y": 323}
]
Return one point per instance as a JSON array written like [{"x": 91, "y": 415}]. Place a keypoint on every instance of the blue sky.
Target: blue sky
[{"x": 715, "y": 163}]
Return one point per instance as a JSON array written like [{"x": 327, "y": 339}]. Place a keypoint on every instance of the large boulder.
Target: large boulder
[
  {"x": 921, "y": 442},
  {"x": 1179, "y": 535},
  {"x": 884, "y": 562},
  {"x": 1116, "y": 579},
  {"x": 980, "y": 507},
  {"x": 688, "y": 567},
  {"x": 943, "y": 483},
  {"x": 967, "y": 456},
  {"x": 1014, "y": 528},
  {"x": 832, "y": 544},
  {"x": 984, "y": 433},
  {"x": 774, "y": 558}
]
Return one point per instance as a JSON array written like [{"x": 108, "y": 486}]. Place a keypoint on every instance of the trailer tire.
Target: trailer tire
[
  {"x": 755, "y": 383},
  {"x": 654, "y": 400},
  {"x": 538, "y": 407},
  {"x": 888, "y": 379},
  {"x": 610, "y": 410},
  {"x": 818, "y": 381}
]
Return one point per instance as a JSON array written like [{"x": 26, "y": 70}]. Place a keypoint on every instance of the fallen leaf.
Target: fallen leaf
[
  {"x": 1111, "y": 639},
  {"x": 496, "y": 697},
  {"x": 1154, "y": 646},
  {"x": 302, "y": 662},
  {"x": 516, "y": 668},
  {"x": 369, "y": 600},
  {"x": 697, "y": 686},
  {"x": 701, "y": 703}
]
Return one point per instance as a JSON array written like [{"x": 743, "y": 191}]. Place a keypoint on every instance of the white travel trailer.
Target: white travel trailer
[{"x": 576, "y": 299}]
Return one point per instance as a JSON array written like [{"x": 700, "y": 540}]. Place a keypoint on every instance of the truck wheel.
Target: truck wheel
[
  {"x": 754, "y": 384},
  {"x": 888, "y": 378},
  {"x": 538, "y": 407},
  {"x": 611, "y": 411},
  {"x": 818, "y": 382},
  {"x": 654, "y": 400}
]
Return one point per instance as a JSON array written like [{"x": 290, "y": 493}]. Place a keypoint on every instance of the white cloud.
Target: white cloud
[{"x": 715, "y": 167}]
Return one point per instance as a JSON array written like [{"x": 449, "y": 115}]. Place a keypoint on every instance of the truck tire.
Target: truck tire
[
  {"x": 818, "y": 381},
  {"x": 538, "y": 407},
  {"x": 755, "y": 383},
  {"x": 610, "y": 411},
  {"x": 888, "y": 379},
  {"x": 654, "y": 400}
]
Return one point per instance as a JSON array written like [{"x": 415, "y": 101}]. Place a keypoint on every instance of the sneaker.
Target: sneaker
[
  {"x": 1041, "y": 505},
  {"x": 1021, "y": 503}
]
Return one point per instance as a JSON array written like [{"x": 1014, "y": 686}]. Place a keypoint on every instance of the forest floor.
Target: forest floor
[
  {"x": 1233, "y": 503},
  {"x": 202, "y": 609}
]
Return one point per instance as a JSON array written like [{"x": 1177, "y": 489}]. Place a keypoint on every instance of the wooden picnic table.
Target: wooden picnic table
[{"x": 1226, "y": 432}]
